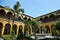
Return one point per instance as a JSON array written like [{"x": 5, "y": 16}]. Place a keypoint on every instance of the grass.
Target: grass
[{"x": 5, "y": 36}]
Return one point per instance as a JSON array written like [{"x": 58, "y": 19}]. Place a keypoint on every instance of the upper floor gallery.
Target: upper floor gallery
[
  {"x": 53, "y": 16},
  {"x": 12, "y": 15}
]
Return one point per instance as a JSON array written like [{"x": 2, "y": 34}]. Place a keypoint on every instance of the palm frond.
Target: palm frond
[{"x": 22, "y": 10}]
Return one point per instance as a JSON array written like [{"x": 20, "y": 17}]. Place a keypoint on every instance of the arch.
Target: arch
[
  {"x": 41, "y": 19},
  {"x": 9, "y": 14},
  {"x": 7, "y": 29},
  {"x": 1, "y": 26},
  {"x": 37, "y": 30},
  {"x": 20, "y": 29},
  {"x": 57, "y": 17},
  {"x": 46, "y": 19},
  {"x": 52, "y": 17},
  {"x": 29, "y": 19},
  {"x": 52, "y": 27},
  {"x": 29, "y": 29},
  {"x": 47, "y": 29},
  {"x": 15, "y": 28},
  {"x": 25, "y": 17},
  {"x": 2, "y": 12},
  {"x": 41, "y": 29}
]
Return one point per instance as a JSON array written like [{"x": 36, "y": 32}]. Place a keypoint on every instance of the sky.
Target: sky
[{"x": 34, "y": 8}]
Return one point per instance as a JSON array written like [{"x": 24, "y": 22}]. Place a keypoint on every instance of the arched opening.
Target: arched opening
[
  {"x": 52, "y": 17},
  {"x": 57, "y": 17},
  {"x": 9, "y": 15},
  {"x": 52, "y": 28},
  {"x": 41, "y": 29},
  {"x": 29, "y": 19},
  {"x": 47, "y": 29},
  {"x": 7, "y": 29},
  {"x": 32, "y": 28},
  {"x": 41, "y": 19},
  {"x": 46, "y": 19},
  {"x": 1, "y": 26},
  {"x": 25, "y": 18},
  {"x": 20, "y": 30},
  {"x": 15, "y": 28},
  {"x": 2, "y": 13},
  {"x": 37, "y": 30},
  {"x": 29, "y": 29}
]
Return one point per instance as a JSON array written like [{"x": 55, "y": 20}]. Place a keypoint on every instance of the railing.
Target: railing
[{"x": 44, "y": 36}]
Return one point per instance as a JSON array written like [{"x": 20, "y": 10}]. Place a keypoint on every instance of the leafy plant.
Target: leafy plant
[{"x": 20, "y": 35}]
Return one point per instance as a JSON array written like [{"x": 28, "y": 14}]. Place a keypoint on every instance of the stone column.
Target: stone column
[
  {"x": 3, "y": 29},
  {"x": 39, "y": 29},
  {"x": 50, "y": 29},
  {"x": 23, "y": 29},
  {"x": 31, "y": 30},
  {"x": 17, "y": 29},
  {"x": 11, "y": 29}
]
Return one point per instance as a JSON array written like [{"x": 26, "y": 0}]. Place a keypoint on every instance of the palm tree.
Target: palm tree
[{"x": 17, "y": 8}]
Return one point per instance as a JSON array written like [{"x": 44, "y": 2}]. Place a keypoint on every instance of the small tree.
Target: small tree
[
  {"x": 27, "y": 26},
  {"x": 20, "y": 35},
  {"x": 17, "y": 8},
  {"x": 57, "y": 26},
  {"x": 35, "y": 25},
  {"x": 13, "y": 36}
]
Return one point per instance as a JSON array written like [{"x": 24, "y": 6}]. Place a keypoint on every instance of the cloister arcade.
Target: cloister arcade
[
  {"x": 7, "y": 23},
  {"x": 48, "y": 21}
]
